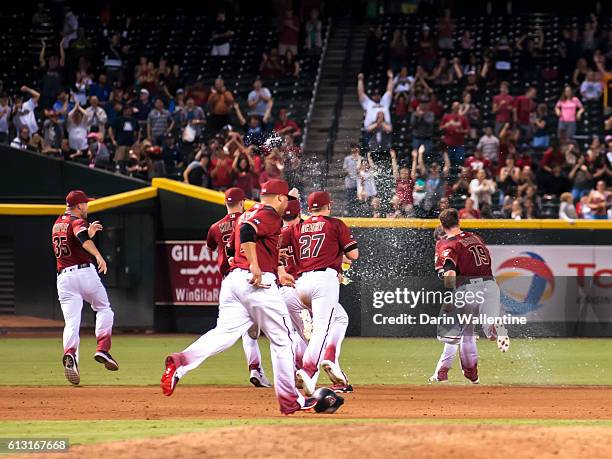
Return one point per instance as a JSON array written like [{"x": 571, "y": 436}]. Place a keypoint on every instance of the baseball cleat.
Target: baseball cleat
[
  {"x": 503, "y": 340},
  {"x": 169, "y": 379},
  {"x": 471, "y": 374},
  {"x": 308, "y": 384},
  {"x": 440, "y": 376},
  {"x": 333, "y": 372},
  {"x": 71, "y": 370},
  {"x": 342, "y": 388},
  {"x": 107, "y": 359},
  {"x": 309, "y": 403},
  {"x": 258, "y": 379}
]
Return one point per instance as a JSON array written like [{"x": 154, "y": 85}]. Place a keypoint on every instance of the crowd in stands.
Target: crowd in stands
[
  {"x": 138, "y": 115},
  {"x": 481, "y": 137}
]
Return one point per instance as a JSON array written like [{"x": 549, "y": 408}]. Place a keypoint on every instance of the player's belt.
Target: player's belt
[
  {"x": 74, "y": 268},
  {"x": 476, "y": 280}
]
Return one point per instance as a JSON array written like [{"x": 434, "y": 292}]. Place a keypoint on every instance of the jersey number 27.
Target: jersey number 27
[{"x": 310, "y": 245}]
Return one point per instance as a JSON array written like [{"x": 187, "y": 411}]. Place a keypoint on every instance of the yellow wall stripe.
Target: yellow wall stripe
[
  {"x": 193, "y": 191},
  {"x": 105, "y": 203}
]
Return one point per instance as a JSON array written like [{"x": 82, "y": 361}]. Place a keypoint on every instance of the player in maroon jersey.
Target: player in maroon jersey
[
  {"x": 219, "y": 234},
  {"x": 320, "y": 243},
  {"x": 77, "y": 280},
  {"x": 249, "y": 295},
  {"x": 465, "y": 264}
]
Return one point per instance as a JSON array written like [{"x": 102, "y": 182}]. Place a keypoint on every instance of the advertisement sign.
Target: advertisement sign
[
  {"x": 555, "y": 282},
  {"x": 187, "y": 274}
]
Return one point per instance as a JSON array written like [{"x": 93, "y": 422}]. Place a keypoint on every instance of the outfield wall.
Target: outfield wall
[{"x": 144, "y": 228}]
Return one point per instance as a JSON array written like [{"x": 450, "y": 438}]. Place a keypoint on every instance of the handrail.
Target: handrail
[{"x": 333, "y": 130}]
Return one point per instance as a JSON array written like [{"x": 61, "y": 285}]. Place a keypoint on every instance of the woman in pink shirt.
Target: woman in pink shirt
[{"x": 568, "y": 109}]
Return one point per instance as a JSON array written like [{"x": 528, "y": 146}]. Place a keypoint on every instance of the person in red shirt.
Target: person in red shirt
[
  {"x": 221, "y": 172},
  {"x": 476, "y": 163},
  {"x": 503, "y": 106},
  {"x": 468, "y": 210},
  {"x": 405, "y": 180},
  {"x": 524, "y": 109},
  {"x": 320, "y": 242},
  {"x": 552, "y": 157},
  {"x": 249, "y": 296},
  {"x": 286, "y": 126},
  {"x": 77, "y": 280},
  {"x": 455, "y": 127}
]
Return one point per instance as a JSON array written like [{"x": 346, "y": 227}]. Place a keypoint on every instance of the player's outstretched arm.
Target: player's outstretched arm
[{"x": 91, "y": 248}]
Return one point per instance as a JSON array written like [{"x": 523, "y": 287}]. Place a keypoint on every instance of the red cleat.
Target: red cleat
[{"x": 169, "y": 380}]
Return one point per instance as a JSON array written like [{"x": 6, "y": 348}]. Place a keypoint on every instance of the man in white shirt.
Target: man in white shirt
[
  {"x": 591, "y": 88},
  {"x": 24, "y": 111},
  {"x": 376, "y": 103},
  {"x": 489, "y": 145},
  {"x": 97, "y": 116}
]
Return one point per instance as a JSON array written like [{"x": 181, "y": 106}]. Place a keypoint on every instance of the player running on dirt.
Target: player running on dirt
[{"x": 218, "y": 236}]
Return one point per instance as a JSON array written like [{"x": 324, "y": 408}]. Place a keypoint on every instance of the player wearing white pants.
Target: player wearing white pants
[
  {"x": 240, "y": 306},
  {"x": 74, "y": 286},
  {"x": 77, "y": 280},
  {"x": 249, "y": 296}
]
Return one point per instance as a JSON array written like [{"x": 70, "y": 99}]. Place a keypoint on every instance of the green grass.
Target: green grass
[
  {"x": 86, "y": 432},
  {"x": 37, "y": 361}
]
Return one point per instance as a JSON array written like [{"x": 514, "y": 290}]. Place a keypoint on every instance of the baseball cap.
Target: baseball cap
[
  {"x": 318, "y": 199},
  {"x": 234, "y": 195},
  {"x": 144, "y": 91},
  {"x": 77, "y": 197},
  {"x": 293, "y": 208},
  {"x": 275, "y": 186}
]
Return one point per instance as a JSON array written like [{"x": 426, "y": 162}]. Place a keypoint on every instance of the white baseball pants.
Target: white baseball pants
[{"x": 74, "y": 286}]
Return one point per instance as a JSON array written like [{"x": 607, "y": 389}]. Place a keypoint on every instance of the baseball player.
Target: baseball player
[
  {"x": 77, "y": 280},
  {"x": 319, "y": 244},
  {"x": 219, "y": 234},
  {"x": 296, "y": 307},
  {"x": 464, "y": 262},
  {"x": 249, "y": 296}
]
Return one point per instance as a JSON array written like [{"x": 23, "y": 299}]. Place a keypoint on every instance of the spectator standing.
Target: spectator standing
[
  {"x": 171, "y": 154},
  {"x": 159, "y": 123},
  {"x": 197, "y": 173},
  {"x": 434, "y": 186},
  {"x": 405, "y": 181},
  {"x": 124, "y": 134},
  {"x": 52, "y": 80},
  {"x": 366, "y": 183},
  {"x": 351, "y": 170},
  {"x": 97, "y": 116},
  {"x": 489, "y": 145},
  {"x": 477, "y": 162},
  {"x": 422, "y": 124},
  {"x": 376, "y": 103},
  {"x": 81, "y": 87},
  {"x": 503, "y": 104},
  {"x": 508, "y": 180},
  {"x": 23, "y": 112},
  {"x": 101, "y": 89},
  {"x": 290, "y": 67},
  {"x": 220, "y": 169},
  {"x": 469, "y": 211},
  {"x": 271, "y": 68},
  {"x": 524, "y": 107},
  {"x": 288, "y": 36},
  {"x": 445, "y": 31},
  {"x": 5, "y": 114},
  {"x": 97, "y": 154},
  {"x": 314, "y": 41},
  {"x": 591, "y": 89},
  {"x": 402, "y": 83},
  {"x": 258, "y": 99},
  {"x": 77, "y": 126},
  {"x": 379, "y": 133},
  {"x": 568, "y": 109},
  {"x": 53, "y": 133},
  {"x": 481, "y": 191},
  {"x": 243, "y": 170},
  {"x": 541, "y": 138},
  {"x": 398, "y": 50},
  {"x": 455, "y": 127},
  {"x": 71, "y": 25},
  {"x": 426, "y": 49},
  {"x": 581, "y": 175},
  {"x": 143, "y": 106},
  {"x": 221, "y": 35}
]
